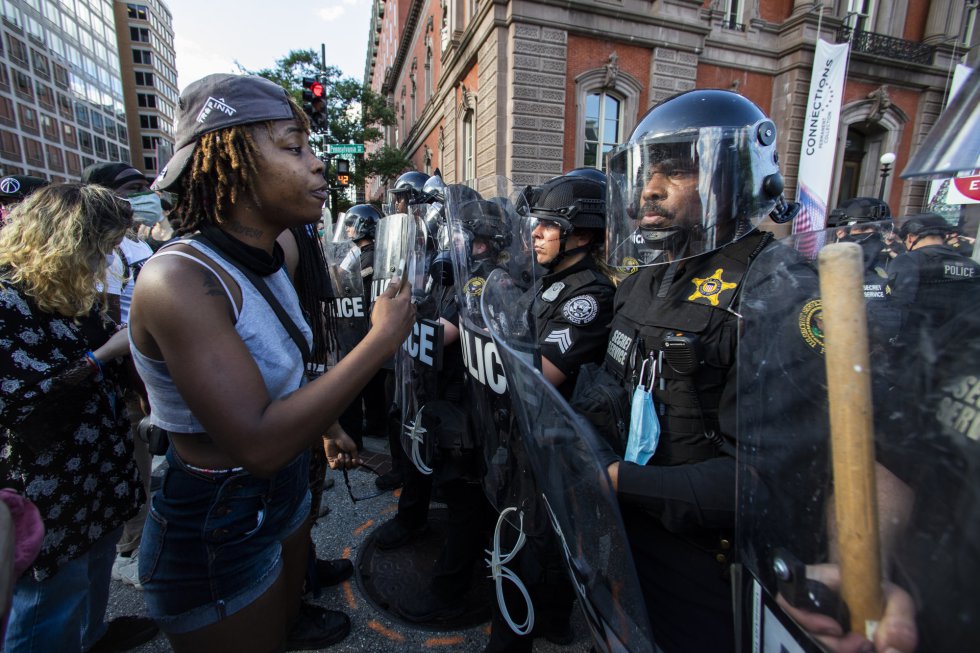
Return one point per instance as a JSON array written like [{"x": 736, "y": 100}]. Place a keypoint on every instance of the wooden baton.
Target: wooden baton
[{"x": 851, "y": 432}]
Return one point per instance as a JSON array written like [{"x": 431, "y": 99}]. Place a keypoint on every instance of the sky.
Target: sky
[{"x": 211, "y": 35}]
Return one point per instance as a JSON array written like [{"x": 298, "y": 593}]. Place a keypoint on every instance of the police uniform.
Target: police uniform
[
  {"x": 572, "y": 309},
  {"x": 931, "y": 284},
  {"x": 679, "y": 510}
]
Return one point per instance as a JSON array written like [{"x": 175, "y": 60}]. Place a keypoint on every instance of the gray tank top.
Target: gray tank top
[{"x": 275, "y": 353}]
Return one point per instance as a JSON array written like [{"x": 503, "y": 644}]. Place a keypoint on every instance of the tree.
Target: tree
[{"x": 355, "y": 113}]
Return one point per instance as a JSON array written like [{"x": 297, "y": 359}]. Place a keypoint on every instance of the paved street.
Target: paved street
[{"x": 340, "y": 534}]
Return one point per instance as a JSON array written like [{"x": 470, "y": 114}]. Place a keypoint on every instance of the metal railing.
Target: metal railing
[{"x": 886, "y": 46}]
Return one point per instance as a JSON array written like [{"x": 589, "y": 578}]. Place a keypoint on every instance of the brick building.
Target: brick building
[{"x": 531, "y": 88}]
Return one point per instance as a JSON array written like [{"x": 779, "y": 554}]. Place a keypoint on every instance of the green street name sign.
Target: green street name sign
[{"x": 345, "y": 148}]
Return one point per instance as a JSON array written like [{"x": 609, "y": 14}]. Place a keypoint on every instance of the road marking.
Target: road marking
[
  {"x": 444, "y": 641},
  {"x": 378, "y": 627},
  {"x": 363, "y": 527}
]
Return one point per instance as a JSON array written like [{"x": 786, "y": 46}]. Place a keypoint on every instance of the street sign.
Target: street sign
[{"x": 345, "y": 148}]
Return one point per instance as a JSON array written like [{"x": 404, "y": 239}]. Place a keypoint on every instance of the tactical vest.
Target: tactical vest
[
  {"x": 545, "y": 310},
  {"x": 681, "y": 321}
]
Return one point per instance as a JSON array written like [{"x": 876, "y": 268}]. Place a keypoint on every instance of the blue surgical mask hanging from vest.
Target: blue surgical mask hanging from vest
[{"x": 644, "y": 435}]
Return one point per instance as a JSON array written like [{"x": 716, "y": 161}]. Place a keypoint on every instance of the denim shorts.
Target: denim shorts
[{"x": 212, "y": 540}]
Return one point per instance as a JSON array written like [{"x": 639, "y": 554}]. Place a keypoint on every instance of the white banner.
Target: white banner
[{"x": 820, "y": 135}]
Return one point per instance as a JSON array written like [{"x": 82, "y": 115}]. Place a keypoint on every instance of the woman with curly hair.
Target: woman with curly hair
[
  {"x": 220, "y": 341},
  {"x": 64, "y": 438}
]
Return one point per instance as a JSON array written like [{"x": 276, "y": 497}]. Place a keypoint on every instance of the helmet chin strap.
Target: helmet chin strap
[{"x": 670, "y": 239}]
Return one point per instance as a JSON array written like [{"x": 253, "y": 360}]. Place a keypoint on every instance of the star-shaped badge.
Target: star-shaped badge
[{"x": 710, "y": 287}]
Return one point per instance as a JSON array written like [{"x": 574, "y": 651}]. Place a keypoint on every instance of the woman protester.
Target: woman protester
[
  {"x": 65, "y": 442},
  {"x": 220, "y": 342}
]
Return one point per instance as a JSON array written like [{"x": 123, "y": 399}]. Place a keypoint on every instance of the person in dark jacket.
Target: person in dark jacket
[{"x": 686, "y": 194}]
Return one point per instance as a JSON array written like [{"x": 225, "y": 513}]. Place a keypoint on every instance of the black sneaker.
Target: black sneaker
[
  {"x": 126, "y": 633},
  {"x": 393, "y": 534},
  {"x": 317, "y": 627},
  {"x": 390, "y": 481},
  {"x": 332, "y": 572},
  {"x": 430, "y": 608}
]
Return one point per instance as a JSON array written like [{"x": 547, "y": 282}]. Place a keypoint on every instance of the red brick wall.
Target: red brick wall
[
  {"x": 586, "y": 53},
  {"x": 755, "y": 86},
  {"x": 915, "y": 21},
  {"x": 776, "y": 11}
]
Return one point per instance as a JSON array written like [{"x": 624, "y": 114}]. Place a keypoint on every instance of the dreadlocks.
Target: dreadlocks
[
  {"x": 223, "y": 169},
  {"x": 311, "y": 281}
]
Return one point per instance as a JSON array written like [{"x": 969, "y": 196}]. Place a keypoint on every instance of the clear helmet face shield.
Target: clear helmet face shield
[
  {"x": 682, "y": 194},
  {"x": 398, "y": 200}
]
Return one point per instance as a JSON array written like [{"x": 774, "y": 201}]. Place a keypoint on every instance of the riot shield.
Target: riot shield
[
  {"x": 486, "y": 231},
  {"x": 419, "y": 360},
  {"x": 577, "y": 498},
  {"x": 348, "y": 312},
  {"x": 922, "y": 467}
]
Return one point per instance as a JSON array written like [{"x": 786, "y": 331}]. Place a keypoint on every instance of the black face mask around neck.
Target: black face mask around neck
[{"x": 257, "y": 260}]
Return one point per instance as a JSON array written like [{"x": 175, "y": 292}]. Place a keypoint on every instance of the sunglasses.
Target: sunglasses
[{"x": 350, "y": 490}]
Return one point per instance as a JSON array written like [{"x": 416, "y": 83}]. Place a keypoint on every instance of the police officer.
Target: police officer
[
  {"x": 571, "y": 307},
  {"x": 408, "y": 190},
  {"x": 572, "y": 304},
  {"x": 853, "y": 221},
  {"x": 360, "y": 226},
  {"x": 686, "y": 193},
  {"x": 932, "y": 281}
]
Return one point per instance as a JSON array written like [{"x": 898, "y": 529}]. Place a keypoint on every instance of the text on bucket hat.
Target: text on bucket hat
[{"x": 217, "y": 102}]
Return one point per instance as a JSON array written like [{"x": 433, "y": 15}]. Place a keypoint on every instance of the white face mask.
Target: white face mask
[{"x": 147, "y": 209}]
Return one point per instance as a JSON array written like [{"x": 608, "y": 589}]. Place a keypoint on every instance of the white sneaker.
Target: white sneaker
[{"x": 127, "y": 570}]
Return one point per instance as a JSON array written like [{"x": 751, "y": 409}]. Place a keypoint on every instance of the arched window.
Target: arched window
[
  {"x": 603, "y": 127},
  {"x": 428, "y": 73},
  {"x": 469, "y": 145},
  {"x": 607, "y": 102}
]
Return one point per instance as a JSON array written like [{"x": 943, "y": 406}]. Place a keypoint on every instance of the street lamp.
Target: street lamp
[{"x": 886, "y": 161}]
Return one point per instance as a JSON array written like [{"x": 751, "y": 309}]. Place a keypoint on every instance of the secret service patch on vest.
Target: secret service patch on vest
[{"x": 811, "y": 325}]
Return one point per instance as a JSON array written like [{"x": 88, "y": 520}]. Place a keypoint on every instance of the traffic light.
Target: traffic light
[{"x": 314, "y": 104}]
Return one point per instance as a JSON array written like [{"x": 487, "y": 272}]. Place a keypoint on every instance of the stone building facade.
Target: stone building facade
[{"x": 531, "y": 88}]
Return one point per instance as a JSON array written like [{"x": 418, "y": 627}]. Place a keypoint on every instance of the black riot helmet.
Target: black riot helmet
[
  {"x": 571, "y": 202},
  {"x": 699, "y": 172},
  {"x": 925, "y": 224},
  {"x": 858, "y": 210},
  {"x": 487, "y": 221},
  {"x": 362, "y": 221},
  {"x": 409, "y": 187},
  {"x": 588, "y": 172},
  {"x": 434, "y": 189},
  {"x": 441, "y": 267}
]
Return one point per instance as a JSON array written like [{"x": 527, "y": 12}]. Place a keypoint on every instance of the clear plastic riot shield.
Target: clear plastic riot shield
[
  {"x": 419, "y": 360},
  {"x": 919, "y": 471},
  {"x": 487, "y": 231},
  {"x": 348, "y": 310},
  {"x": 578, "y": 501}
]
